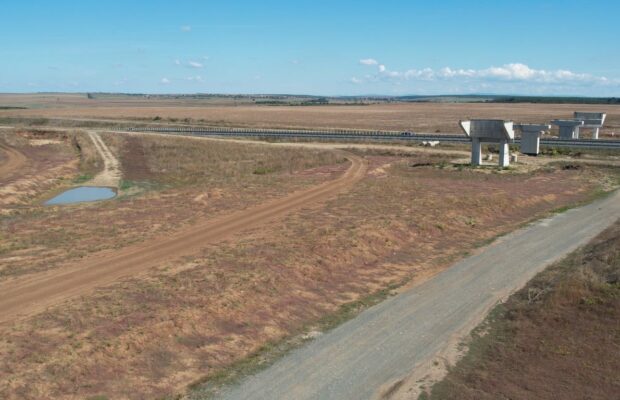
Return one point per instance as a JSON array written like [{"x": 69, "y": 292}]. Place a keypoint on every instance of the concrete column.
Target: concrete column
[
  {"x": 530, "y": 143},
  {"x": 504, "y": 154},
  {"x": 567, "y": 132},
  {"x": 476, "y": 152},
  {"x": 576, "y": 132},
  {"x": 595, "y": 133}
]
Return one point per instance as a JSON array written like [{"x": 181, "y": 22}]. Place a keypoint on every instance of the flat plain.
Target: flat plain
[
  {"x": 193, "y": 317},
  {"x": 417, "y": 117}
]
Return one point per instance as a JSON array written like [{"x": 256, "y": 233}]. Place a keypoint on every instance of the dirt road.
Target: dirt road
[
  {"x": 33, "y": 293},
  {"x": 371, "y": 356},
  {"x": 15, "y": 159},
  {"x": 111, "y": 174}
]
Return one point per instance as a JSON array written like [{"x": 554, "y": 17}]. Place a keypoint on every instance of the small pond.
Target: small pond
[{"x": 82, "y": 194}]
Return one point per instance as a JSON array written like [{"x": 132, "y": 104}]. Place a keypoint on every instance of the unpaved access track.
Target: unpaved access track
[
  {"x": 15, "y": 160},
  {"x": 372, "y": 356},
  {"x": 111, "y": 174},
  {"x": 34, "y": 293}
]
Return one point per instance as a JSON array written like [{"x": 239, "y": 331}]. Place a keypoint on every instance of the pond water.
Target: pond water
[{"x": 82, "y": 194}]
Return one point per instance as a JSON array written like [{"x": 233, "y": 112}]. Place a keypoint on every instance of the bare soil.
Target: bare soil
[
  {"x": 558, "y": 338},
  {"x": 111, "y": 174},
  {"x": 10, "y": 160}
]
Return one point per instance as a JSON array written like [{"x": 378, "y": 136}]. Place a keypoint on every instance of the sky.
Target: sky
[{"x": 317, "y": 47}]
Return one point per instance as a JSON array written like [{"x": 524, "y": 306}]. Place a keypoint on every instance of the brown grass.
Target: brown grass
[
  {"x": 179, "y": 161},
  {"x": 149, "y": 338},
  {"x": 169, "y": 183},
  {"x": 421, "y": 117},
  {"x": 558, "y": 338},
  {"x": 50, "y": 161}
]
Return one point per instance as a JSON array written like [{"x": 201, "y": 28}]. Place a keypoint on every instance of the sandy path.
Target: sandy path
[
  {"x": 14, "y": 161},
  {"x": 34, "y": 293},
  {"x": 111, "y": 174}
]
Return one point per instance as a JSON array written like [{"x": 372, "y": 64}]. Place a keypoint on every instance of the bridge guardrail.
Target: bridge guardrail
[{"x": 371, "y": 135}]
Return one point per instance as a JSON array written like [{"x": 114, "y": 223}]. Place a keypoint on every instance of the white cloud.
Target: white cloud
[
  {"x": 514, "y": 72},
  {"x": 165, "y": 81},
  {"x": 195, "y": 64},
  {"x": 357, "y": 81},
  {"x": 186, "y": 28},
  {"x": 196, "y": 78},
  {"x": 177, "y": 62},
  {"x": 368, "y": 61}
]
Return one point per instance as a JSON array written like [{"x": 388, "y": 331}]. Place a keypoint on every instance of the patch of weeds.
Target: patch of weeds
[
  {"x": 561, "y": 151},
  {"x": 83, "y": 178},
  {"x": 98, "y": 397},
  {"x": 423, "y": 396},
  {"x": 136, "y": 188},
  {"x": 125, "y": 185},
  {"x": 263, "y": 170}
]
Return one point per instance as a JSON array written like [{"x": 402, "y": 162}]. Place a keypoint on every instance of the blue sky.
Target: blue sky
[{"x": 312, "y": 47}]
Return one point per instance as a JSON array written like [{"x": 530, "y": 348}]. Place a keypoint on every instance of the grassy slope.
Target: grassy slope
[{"x": 559, "y": 337}]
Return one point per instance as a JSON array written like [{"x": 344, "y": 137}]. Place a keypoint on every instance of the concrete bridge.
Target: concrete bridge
[{"x": 365, "y": 135}]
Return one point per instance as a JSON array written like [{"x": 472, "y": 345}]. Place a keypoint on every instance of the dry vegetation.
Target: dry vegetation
[
  {"x": 190, "y": 319},
  {"x": 193, "y": 318},
  {"x": 420, "y": 117},
  {"x": 558, "y": 338},
  {"x": 49, "y": 161},
  {"x": 169, "y": 183}
]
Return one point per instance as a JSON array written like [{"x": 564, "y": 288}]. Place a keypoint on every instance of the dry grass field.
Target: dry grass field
[
  {"x": 46, "y": 160},
  {"x": 417, "y": 117},
  {"x": 192, "y": 318},
  {"x": 559, "y": 337},
  {"x": 168, "y": 183}
]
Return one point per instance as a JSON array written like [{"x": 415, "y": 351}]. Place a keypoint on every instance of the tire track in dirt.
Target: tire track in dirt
[
  {"x": 15, "y": 160},
  {"x": 34, "y": 293},
  {"x": 111, "y": 174}
]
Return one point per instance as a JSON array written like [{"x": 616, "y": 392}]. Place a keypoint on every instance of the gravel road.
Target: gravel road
[{"x": 366, "y": 356}]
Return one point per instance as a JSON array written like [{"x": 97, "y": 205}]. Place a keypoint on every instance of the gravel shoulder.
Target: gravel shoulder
[{"x": 369, "y": 356}]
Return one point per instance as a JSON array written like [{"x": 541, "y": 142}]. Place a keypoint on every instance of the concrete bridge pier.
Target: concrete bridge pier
[
  {"x": 476, "y": 151},
  {"x": 489, "y": 131},
  {"x": 591, "y": 120},
  {"x": 569, "y": 128},
  {"x": 504, "y": 154},
  {"x": 530, "y": 137}
]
